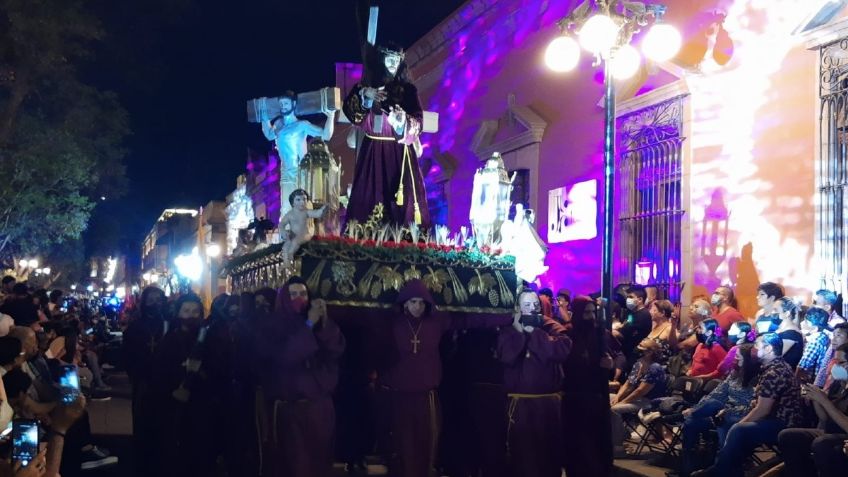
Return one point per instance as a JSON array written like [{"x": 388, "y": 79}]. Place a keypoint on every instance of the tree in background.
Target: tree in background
[{"x": 61, "y": 140}]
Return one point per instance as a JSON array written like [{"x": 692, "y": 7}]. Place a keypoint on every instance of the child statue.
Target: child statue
[{"x": 301, "y": 228}]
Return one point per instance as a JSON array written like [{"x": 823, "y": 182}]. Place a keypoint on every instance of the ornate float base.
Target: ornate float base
[{"x": 347, "y": 272}]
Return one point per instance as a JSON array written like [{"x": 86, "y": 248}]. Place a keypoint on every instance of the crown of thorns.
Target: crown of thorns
[{"x": 388, "y": 51}]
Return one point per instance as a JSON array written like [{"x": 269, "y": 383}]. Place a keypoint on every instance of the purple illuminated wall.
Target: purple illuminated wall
[
  {"x": 491, "y": 56},
  {"x": 263, "y": 182}
]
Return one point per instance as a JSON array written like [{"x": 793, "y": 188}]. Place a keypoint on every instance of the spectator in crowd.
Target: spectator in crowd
[
  {"x": 6, "y": 324},
  {"x": 636, "y": 325},
  {"x": 548, "y": 295},
  {"x": 301, "y": 346},
  {"x": 817, "y": 343},
  {"x": 724, "y": 302},
  {"x": 7, "y": 285},
  {"x": 661, "y": 312},
  {"x": 532, "y": 351},
  {"x": 776, "y": 406},
  {"x": 768, "y": 316},
  {"x": 54, "y": 306},
  {"x": 19, "y": 305},
  {"x": 727, "y": 404},
  {"x": 563, "y": 305},
  {"x": 811, "y": 452},
  {"x": 789, "y": 331},
  {"x": 585, "y": 402},
  {"x": 826, "y": 300},
  {"x": 840, "y": 337},
  {"x": 646, "y": 381},
  {"x": 709, "y": 353},
  {"x": 740, "y": 333},
  {"x": 683, "y": 337}
]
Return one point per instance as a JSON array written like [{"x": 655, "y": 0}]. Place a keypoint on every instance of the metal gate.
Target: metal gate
[
  {"x": 831, "y": 168},
  {"x": 650, "y": 204}
]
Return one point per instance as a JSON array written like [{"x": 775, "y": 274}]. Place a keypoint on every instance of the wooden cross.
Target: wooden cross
[{"x": 415, "y": 342}]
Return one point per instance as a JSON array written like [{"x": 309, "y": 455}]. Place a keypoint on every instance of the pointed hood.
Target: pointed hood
[{"x": 415, "y": 289}]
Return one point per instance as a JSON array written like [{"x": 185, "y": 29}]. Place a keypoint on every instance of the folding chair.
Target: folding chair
[
  {"x": 688, "y": 390},
  {"x": 632, "y": 423}
]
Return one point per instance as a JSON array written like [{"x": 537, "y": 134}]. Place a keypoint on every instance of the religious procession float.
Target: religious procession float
[{"x": 358, "y": 250}]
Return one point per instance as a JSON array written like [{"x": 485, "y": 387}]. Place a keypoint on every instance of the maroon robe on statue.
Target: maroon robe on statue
[
  {"x": 533, "y": 379},
  {"x": 408, "y": 376},
  {"x": 386, "y": 160},
  {"x": 301, "y": 374}
]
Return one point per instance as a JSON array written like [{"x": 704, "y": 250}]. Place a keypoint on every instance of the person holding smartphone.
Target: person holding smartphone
[{"x": 532, "y": 351}]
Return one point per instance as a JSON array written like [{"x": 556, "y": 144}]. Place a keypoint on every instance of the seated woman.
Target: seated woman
[
  {"x": 789, "y": 331},
  {"x": 727, "y": 403},
  {"x": 661, "y": 311},
  {"x": 646, "y": 381},
  {"x": 819, "y": 451},
  {"x": 709, "y": 353},
  {"x": 740, "y": 333}
]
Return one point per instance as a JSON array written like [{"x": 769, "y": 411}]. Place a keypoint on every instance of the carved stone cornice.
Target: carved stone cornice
[{"x": 534, "y": 127}]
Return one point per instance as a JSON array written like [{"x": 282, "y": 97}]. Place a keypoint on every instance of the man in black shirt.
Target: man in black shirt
[{"x": 637, "y": 322}]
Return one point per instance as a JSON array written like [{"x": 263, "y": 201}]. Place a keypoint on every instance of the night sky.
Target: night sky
[{"x": 184, "y": 69}]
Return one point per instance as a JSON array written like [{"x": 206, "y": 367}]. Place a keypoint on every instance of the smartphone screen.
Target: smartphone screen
[
  {"x": 534, "y": 320},
  {"x": 69, "y": 383},
  {"x": 24, "y": 440}
]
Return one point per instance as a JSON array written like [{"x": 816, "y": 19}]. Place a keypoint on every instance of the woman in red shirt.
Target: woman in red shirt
[{"x": 709, "y": 353}]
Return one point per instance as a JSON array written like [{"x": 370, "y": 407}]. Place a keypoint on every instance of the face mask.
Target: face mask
[
  {"x": 631, "y": 304},
  {"x": 839, "y": 373},
  {"x": 299, "y": 304},
  {"x": 716, "y": 299},
  {"x": 702, "y": 338}
]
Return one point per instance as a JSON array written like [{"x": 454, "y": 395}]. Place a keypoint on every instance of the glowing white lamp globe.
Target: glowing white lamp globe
[
  {"x": 562, "y": 54},
  {"x": 599, "y": 34},
  {"x": 23, "y": 263},
  {"x": 33, "y": 263},
  {"x": 626, "y": 62},
  {"x": 661, "y": 42},
  {"x": 46, "y": 270},
  {"x": 213, "y": 250},
  {"x": 189, "y": 266}
]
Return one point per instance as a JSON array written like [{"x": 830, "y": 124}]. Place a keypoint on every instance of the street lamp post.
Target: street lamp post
[{"x": 605, "y": 28}]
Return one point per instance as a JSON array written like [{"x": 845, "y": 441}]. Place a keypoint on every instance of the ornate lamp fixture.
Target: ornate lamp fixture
[{"x": 605, "y": 28}]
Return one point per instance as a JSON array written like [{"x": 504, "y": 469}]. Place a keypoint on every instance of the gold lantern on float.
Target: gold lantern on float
[
  {"x": 490, "y": 200},
  {"x": 319, "y": 174},
  {"x": 313, "y": 172}
]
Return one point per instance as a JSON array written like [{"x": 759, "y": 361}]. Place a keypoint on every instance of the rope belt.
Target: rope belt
[
  {"x": 513, "y": 407},
  {"x": 405, "y": 163}
]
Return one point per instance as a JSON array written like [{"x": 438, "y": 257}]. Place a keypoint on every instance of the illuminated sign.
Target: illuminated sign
[{"x": 572, "y": 212}]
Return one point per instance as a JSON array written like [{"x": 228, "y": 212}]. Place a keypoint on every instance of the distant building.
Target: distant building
[{"x": 174, "y": 233}]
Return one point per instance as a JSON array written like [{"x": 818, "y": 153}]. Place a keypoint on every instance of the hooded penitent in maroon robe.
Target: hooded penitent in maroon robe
[
  {"x": 585, "y": 404},
  {"x": 387, "y": 162},
  {"x": 301, "y": 373},
  {"x": 533, "y": 379},
  {"x": 409, "y": 371}
]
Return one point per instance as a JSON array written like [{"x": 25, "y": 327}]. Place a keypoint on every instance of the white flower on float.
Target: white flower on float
[{"x": 562, "y": 54}]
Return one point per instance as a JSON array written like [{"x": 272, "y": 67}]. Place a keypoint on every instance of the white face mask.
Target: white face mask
[
  {"x": 631, "y": 304},
  {"x": 839, "y": 372},
  {"x": 715, "y": 300}
]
